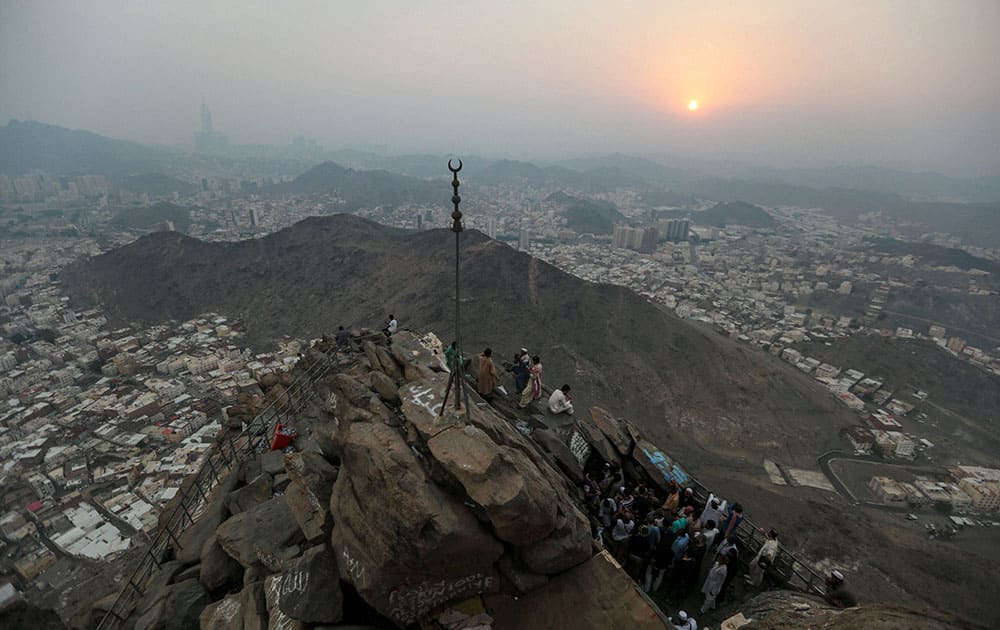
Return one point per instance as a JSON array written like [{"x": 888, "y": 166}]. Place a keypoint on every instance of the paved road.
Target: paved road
[{"x": 825, "y": 459}]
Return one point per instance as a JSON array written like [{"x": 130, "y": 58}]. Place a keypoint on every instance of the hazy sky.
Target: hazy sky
[{"x": 909, "y": 83}]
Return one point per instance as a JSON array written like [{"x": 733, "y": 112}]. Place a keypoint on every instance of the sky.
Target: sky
[{"x": 910, "y": 84}]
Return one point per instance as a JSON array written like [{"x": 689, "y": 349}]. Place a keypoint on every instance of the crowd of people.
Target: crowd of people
[
  {"x": 675, "y": 544},
  {"x": 663, "y": 542}
]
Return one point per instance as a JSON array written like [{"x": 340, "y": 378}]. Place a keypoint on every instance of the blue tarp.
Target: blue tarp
[{"x": 669, "y": 470}]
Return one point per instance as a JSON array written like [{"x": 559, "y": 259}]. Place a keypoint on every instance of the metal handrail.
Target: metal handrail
[
  {"x": 748, "y": 531},
  {"x": 222, "y": 456}
]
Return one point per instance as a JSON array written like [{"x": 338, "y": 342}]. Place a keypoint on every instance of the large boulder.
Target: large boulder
[
  {"x": 176, "y": 607},
  {"x": 403, "y": 543},
  {"x": 596, "y": 438},
  {"x": 385, "y": 387},
  {"x": 407, "y": 349},
  {"x": 264, "y": 535},
  {"x": 658, "y": 465},
  {"x": 351, "y": 389},
  {"x": 519, "y": 577},
  {"x": 369, "y": 349},
  {"x": 254, "y": 606},
  {"x": 614, "y": 430},
  {"x": 276, "y": 619},
  {"x": 388, "y": 364},
  {"x": 423, "y": 402},
  {"x": 568, "y": 546},
  {"x": 309, "y": 491},
  {"x": 218, "y": 569},
  {"x": 256, "y": 491},
  {"x": 193, "y": 538},
  {"x": 225, "y": 614},
  {"x": 520, "y": 502},
  {"x": 561, "y": 454},
  {"x": 272, "y": 462},
  {"x": 310, "y": 588}
]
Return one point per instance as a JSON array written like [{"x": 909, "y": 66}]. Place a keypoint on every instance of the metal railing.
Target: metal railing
[
  {"x": 792, "y": 570},
  {"x": 226, "y": 452}
]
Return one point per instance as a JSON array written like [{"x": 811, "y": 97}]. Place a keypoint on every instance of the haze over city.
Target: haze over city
[{"x": 904, "y": 84}]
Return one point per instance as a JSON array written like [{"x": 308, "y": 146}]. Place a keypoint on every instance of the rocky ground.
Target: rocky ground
[{"x": 383, "y": 512}]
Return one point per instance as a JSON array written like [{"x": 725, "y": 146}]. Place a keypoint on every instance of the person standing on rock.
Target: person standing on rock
[
  {"x": 450, "y": 354},
  {"x": 763, "y": 562},
  {"x": 533, "y": 390},
  {"x": 620, "y": 533},
  {"x": 710, "y": 531},
  {"x": 713, "y": 583},
  {"x": 520, "y": 371},
  {"x": 560, "y": 401},
  {"x": 713, "y": 510},
  {"x": 731, "y": 520},
  {"x": 731, "y": 551},
  {"x": 392, "y": 326},
  {"x": 343, "y": 338},
  {"x": 487, "y": 375},
  {"x": 672, "y": 501}
]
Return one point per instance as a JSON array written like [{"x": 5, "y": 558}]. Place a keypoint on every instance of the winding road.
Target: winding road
[{"x": 825, "y": 460}]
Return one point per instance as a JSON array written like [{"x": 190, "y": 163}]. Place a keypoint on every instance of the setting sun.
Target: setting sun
[{"x": 692, "y": 105}]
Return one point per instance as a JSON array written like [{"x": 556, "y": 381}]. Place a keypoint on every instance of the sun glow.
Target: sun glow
[{"x": 692, "y": 105}]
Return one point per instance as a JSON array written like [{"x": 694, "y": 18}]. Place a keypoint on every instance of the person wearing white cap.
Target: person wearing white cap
[
  {"x": 686, "y": 623},
  {"x": 837, "y": 593}
]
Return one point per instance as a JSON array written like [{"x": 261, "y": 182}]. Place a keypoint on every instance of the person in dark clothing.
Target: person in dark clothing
[
  {"x": 343, "y": 338},
  {"x": 689, "y": 500},
  {"x": 591, "y": 493},
  {"x": 663, "y": 557},
  {"x": 837, "y": 593},
  {"x": 730, "y": 547},
  {"x": 521, "y": 373},
  {"x": 640, "y": 546},
  {"x": 641, "y": 505},
  {"x": 697, "y": 549},
  {"x": 684, "y": 575}
]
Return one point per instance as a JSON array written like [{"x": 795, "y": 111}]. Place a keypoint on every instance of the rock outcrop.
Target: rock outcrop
[{"x": 411, "y": 504}]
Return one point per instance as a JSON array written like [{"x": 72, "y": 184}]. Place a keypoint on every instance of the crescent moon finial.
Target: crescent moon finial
[{"x": 452, "y": 168}]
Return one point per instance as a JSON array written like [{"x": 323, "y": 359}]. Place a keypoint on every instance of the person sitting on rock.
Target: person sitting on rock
[
  {"x": 560, "y": 401},
  {"x": 488, "y": 378},
  {"x": 343, "y": 338},
  {"x": 837, "y": 593},
  {"x": 392, "y": 326}
]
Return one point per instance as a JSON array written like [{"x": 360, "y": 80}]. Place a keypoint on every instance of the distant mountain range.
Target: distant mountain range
[
  {"x": 595, "y": 216},
  {"x": 366, "y": 179},
  {"x": 723, "y": 214},
  {"x": 26, "y": 146},
  {"x": 361, "y": 188}
]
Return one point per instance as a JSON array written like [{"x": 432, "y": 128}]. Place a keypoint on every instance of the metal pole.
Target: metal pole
[{"x": 458, "y": 372}]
